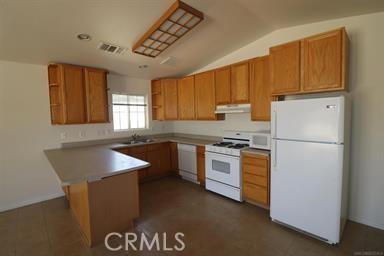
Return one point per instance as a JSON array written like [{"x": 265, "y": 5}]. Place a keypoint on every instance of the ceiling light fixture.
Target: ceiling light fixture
[
  {"x": 143, "y": 66},
  {"x": 172, "y": 25},
  {"x": 84, "y": 37}
]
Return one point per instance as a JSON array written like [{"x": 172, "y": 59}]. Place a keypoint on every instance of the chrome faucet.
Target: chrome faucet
[{"x": 135, "y": 137}]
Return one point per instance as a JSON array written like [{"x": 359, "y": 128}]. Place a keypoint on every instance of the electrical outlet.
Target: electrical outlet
[
  {"x": 82, "y": 134},
  {"x": 63, "y": 135}
]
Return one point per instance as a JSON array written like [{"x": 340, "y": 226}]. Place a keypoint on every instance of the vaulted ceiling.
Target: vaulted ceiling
[{"x": 44, "y": 31}]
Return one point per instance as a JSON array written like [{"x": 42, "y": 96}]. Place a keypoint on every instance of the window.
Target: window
[{"x": 129, "y": 112}]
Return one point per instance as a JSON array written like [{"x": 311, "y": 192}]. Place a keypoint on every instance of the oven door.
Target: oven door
[{"x": 223, "y": 168}]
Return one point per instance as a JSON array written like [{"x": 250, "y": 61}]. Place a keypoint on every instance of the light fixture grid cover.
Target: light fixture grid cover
[{"x": 177, "y": 21}]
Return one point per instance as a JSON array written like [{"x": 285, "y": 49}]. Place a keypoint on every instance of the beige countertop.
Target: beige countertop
[
  {"x": 74, "y": 165},
  {"x": 91, "y": 163},
  {"x": 256, "y": 151}
]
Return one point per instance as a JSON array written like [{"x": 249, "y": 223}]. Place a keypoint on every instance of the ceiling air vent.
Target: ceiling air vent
[{"x": 107, "y": 47}]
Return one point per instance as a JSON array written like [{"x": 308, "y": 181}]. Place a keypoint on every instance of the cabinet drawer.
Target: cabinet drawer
[
  {"x": 133, "y": 150},
  {"x": 254, "y": 179},
  {"x": 256, "y": 161},
  {"x": 255, "y": 193},
  {"x": 256, "y": 170},
  {"x": 156, "y": 146}
]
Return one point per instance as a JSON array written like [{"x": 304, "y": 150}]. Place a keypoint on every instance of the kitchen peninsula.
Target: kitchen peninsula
[{"x": 101, "y": 186}]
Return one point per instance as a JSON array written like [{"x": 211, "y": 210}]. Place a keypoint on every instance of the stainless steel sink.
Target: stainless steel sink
[{"x": 140, "y": 141}]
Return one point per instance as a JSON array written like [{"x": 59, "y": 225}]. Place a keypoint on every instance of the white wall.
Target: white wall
[
  {"x": 366, "y": 89},
  {"x": 25, "y": 174}
]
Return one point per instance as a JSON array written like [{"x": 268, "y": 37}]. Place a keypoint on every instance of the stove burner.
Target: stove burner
[
  {"x": 238, "y": 146},
  {"x": 223, "y": 144}
]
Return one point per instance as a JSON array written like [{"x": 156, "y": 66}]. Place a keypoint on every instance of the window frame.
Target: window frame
[{"x": 146, "y": 112}]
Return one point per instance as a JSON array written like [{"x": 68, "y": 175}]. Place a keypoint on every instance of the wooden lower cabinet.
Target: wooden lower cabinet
[
  {"x": 99, "y": 207},
  {"x": 143, "y": 173},
  {"x": 201, "y": 165},
  {"x": 174, "y": 157},
  {"x": 139, "y": 152},
  {"x": 256, "y": 178},
  {"x": 159, "y": 155}
]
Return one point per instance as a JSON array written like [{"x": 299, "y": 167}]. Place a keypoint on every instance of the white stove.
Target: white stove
[{"x": 223, "y": 165}]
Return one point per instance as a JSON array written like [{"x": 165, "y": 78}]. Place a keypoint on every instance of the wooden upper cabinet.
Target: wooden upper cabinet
[
  {"x": 240, "y": 82},
  {"x": 75, "y": 111},
  {"x": 313, "y": 64},
  {"x": 260, "y": 87},
  {"x": 56, "y": 94},
  {"x": 285, "y": 68},
  {"x": 170, "y": 99},
  {"x": 78, "y": 95},
  {"x": 97, "y": 96},
  {"x": 223, "y": 85},
  {"x": 186, "y": 98},
  {"x": 157, "y": 100},
  {"x": 205, "y": 96},
  {"x": 324, "y": 61}
]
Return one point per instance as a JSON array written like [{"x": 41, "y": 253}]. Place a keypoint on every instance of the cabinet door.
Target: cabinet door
[
  {"x": 186, "y": 98},
  {"x": 143, "y": 172},
  {"x": 165, "y": 158},
  {"x": 174, "y": 157},
  {"x": 97, "y": 97},
  {"x": 157, "y": 100},
  {"x": 260, "y": 87},
  {"x": 223, "y": 85},
  {"x": 74, "y": 95},
  {"x": 160, "y": 158},
  {"x": 285, "y": 68},
  {"x": 170, "y": 98},
  {"x": 201, "y": 164},
  {"x": 323, "y": 61},
  {"x": 240, "y": 82},
  {"x": 205, "y": 96},
  {"x": 55, "y": 93}
]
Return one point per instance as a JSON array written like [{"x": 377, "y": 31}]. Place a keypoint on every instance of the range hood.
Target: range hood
[{"x": 233, "y": 108}]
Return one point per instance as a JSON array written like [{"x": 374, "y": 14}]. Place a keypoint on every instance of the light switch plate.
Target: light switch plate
[{"x": 82, "y": 134}]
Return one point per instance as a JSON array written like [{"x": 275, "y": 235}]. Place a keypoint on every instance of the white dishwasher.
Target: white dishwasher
[{"x": 187, "y": 162}]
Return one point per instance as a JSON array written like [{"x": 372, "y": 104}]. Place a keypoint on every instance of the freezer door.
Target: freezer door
[
  {"x": 319, "y": 120},
  {"x": 306, "y": 181}
]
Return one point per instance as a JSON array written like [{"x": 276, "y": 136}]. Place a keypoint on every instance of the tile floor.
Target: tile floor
[{"x": 213, "y": 225}]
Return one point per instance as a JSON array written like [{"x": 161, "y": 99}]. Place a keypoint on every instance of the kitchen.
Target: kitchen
[{"x": 182, "y": 116}]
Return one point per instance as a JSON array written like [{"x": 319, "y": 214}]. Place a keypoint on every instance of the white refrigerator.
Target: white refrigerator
[{"x": 309, "y": 165}]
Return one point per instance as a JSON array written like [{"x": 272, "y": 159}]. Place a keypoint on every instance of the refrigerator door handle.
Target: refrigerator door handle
[
  {"x": 274, "y": 154},
  {"x": 274, "y": 127}
]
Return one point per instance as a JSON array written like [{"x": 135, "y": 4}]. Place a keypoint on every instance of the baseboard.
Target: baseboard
[
  {"x": 30, "y": 201},
  {"x": 366, "y": 222}
]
